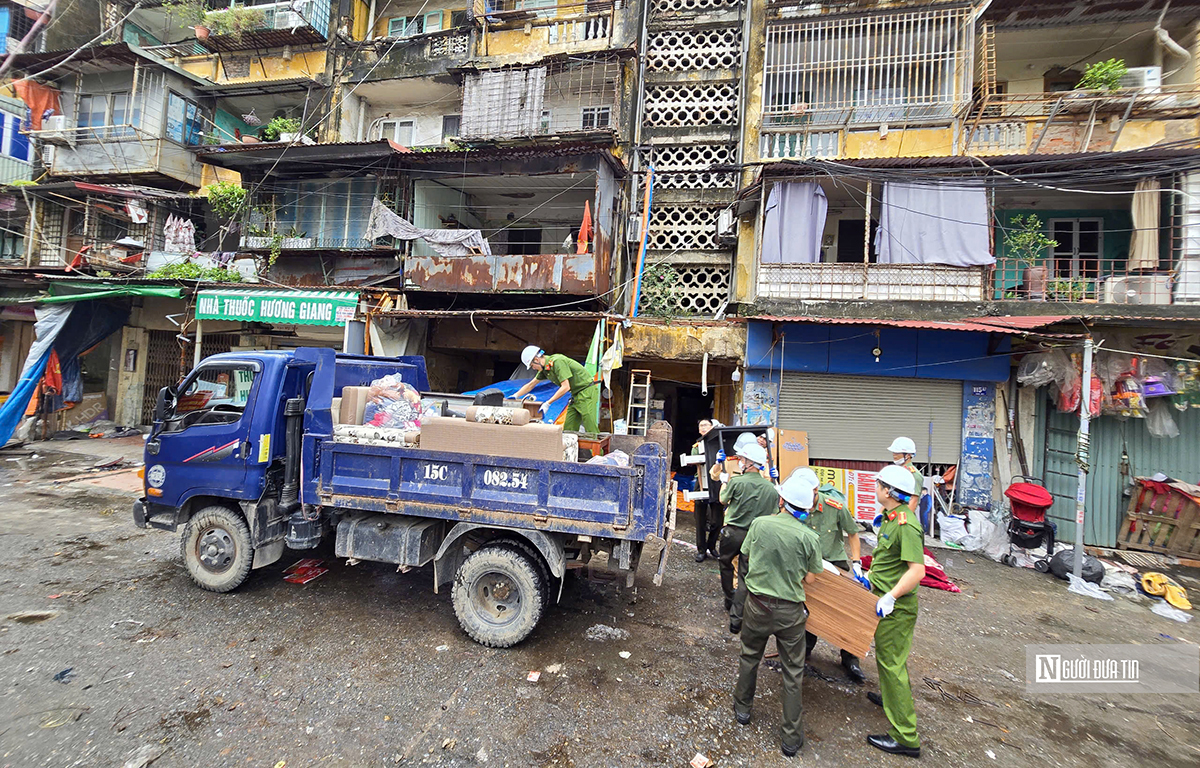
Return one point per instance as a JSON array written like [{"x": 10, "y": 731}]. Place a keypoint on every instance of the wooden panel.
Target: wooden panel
[
  {"x": 793, "y": 451},
  {"x": 841, "y": 612}
]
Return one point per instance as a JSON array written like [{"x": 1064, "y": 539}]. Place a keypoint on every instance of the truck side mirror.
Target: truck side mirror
[{"x": 160, "y": 404}]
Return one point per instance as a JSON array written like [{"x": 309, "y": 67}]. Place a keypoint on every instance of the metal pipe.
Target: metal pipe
[
  {"x": 370, "y": 35},
  {"x": 1082, "y": 450},
  {"x": 196, "y": 356}
]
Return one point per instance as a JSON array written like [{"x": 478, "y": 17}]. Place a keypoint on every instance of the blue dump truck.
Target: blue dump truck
[{"x": 246, "y": 460}]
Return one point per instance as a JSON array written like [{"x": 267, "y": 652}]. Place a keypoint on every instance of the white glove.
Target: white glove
[
  {"x": 724, "y": 477},
  {"x": 859, "y": 576},
  {"x": 886, "y": 605},
  {"x": 543, "y": 410}
]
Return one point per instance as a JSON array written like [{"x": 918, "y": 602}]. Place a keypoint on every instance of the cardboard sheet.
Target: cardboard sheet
[
  {"x": 354, "y": 405},
  {"x": 841, "y": 612},
  {"x": 532, "y": 441}
]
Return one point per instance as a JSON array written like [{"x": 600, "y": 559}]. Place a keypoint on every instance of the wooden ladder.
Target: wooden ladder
[{"x": 637, "y": 417}]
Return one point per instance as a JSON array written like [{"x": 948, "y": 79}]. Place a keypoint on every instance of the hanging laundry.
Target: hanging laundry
[
  {"x": 42, "y": 101},
  {"x": 137, "y": 213},
  {"x": 179, "y": 235},
  {"x": 446, "y": 242}
]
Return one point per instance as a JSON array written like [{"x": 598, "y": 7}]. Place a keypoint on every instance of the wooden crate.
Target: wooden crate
[
  {"x": 841, "y": 612},
  {"x": 1161, "y": 521}
]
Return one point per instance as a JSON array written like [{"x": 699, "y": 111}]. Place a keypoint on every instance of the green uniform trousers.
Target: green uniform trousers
[
  {"x": 729, "y": 546},
  {"x": 766, "y": 616},
  {"x": 893, "y": 641},
  {"x": 583, "y": 411}
]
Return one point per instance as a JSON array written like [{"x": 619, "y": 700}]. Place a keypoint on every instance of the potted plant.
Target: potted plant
[
  {"x": 226, "y": 198},
  {"x": 1026, "y": 243},
  {"x": 1103, "y": 76},
  {"x": 235, "y": 21},
  {"x": 191, "y": 13},
  {"x": 295, "y": 238},
  {"x": 1069, "y": 288},
  {"x": 281, "y": 129}
]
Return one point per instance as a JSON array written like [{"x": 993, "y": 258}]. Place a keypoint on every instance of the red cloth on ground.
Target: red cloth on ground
[{"x": 935, "y": 575}]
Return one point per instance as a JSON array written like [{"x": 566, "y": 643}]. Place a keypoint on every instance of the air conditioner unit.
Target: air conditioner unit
[
  {"x": 726, "y": 226},
  {"x": 57, "y": 128},
  {"x": 289, "y": 20},
  {"x": 1138, "y": 289},
  {"x": 1148, "y": 79},
  {"x": 633, "y": 232}
]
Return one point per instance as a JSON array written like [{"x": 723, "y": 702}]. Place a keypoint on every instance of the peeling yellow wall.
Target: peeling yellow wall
[
  {"x": 211, "y": 173},
  {"x": 899, "y": 142},
  {"x": 684, "y": 341},
  {"x": 273, "y": 67}
]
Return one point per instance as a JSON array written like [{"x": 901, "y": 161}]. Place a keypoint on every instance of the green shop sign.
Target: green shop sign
[{"x": 278, "y": 307}]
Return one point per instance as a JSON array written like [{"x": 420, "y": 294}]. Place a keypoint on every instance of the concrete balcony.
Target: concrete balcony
[
  {"x": 418, "y": 56},
  {"x": 872, "y": 282},
  {"x": 1077, "y": 121}
]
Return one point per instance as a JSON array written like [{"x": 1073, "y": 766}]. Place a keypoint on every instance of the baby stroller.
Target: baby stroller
[{"x": 1028, "y": 527}]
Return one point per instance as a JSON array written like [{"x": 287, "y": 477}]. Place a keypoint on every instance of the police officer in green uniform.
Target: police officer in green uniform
[
  {"x": 780, "y": 553},
  {"x": 903, "y": 450},
  {"x": 897, "y": 567},
  {"x": 831, "y": 518},
  {"x": 746, "y": 496},
  {"x": 571, "y": 377}
]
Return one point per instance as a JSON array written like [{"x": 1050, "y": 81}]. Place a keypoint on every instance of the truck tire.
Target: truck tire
[
  {"x": 530, "y": 551},
  {"x": 498, "y": 596},
  {"x": 216, "y": 549}
]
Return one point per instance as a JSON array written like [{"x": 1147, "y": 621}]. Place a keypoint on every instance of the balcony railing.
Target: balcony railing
[
  {"x": 1019, "y": 123},
  {"x": 873, "y": 282},
  {"x": 429, "y": 53},
  {"x": 285, "y": 23},
  {"x": 779, "y": 144}
]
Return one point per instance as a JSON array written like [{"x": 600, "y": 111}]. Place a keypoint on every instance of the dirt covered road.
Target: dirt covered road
[{"x": 114, "y": 653}]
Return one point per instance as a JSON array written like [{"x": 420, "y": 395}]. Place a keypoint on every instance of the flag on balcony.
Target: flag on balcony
[
  {"x": 934, "y": 224},
  {"x": 795, "y": 223},
  {"x": 1143, "y": 244},
  {"x": 585, "y": 229}
]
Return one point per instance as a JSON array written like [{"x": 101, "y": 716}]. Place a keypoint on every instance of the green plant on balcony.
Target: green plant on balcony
[
  {"x": 278, "y": 126},
  {"x": 660, "y": 292},
  {"x": 190, "y": 270},
  {"x": 235, "y": 21},
  {"x": 187, "y": 12},
  {"x": 226, "y": 198},
  {"x": 1103, "y": 76},
  {"x": 1026, "y": 243},
  {"x": 1069, "y": 288}
]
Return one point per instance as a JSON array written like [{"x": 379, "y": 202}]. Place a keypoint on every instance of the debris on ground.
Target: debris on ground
[
  {"x": 533, "y": 676},
  {"x": 449, "y": 743},
  {"x": 441, "y": 648},
  {"x": 481, "y": 755},
  {"x": 31, "y": 617},
  {"x": 65, "y": 676},
  {"x": 304, "y": 571},
  {"x": 1170, "y": 612},
  {"x": 554, "y": 669},
  {"x": 602, "y": 632},
  {"x": 1086, "y": 588},
  {"x": 624, "y": 654},
  {"x": 700, "y": 761},
  {"x": 145, "y": 754}
]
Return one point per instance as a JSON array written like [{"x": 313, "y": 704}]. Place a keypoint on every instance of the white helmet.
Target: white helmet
[
  {"x": 753, "y": 452},
  {"x": 899, "y": 478},
  {"x": 744, "y": 439},
  {"x": 903, "y": 445},
  {"x": 532, "y": 351},
  {"x": 808, "y": 475},
  {"x": 799, "y": 490}
]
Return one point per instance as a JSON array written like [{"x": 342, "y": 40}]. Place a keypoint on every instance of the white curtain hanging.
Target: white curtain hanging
[
  {"x": 795, "y": 223},
  {"x": 934, "y": 224}
]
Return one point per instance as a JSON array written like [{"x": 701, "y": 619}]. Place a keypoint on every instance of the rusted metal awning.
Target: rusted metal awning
[{"x": 1012, "y": 324}]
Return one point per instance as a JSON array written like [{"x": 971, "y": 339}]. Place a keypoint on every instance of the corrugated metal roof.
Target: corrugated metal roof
[
  {"x": 1007, "y": 324},
  {"x": 261, "y": 87},
  {"x": 1031, "y": 13}
]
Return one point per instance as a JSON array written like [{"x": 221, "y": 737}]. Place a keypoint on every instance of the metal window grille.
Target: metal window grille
[{"x": 880, "y": 68}]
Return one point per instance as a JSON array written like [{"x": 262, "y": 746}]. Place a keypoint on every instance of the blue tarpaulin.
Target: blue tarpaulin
[{"x": 543, "y": 391}]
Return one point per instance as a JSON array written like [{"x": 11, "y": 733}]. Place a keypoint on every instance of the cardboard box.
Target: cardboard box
[
  {"x": 92, "y": 408},
  {"x": 532, "y": 441},
  {"x": 792, "y": 445},
  {"x": 354, "y": 405},
  {"x": 841, "y": 612}
]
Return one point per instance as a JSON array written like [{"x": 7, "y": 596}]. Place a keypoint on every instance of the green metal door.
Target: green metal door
[{"x": 1108, "y": 480}]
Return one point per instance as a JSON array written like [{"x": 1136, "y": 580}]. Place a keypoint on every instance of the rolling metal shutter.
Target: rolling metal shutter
[{"x": 856, "y": 417}]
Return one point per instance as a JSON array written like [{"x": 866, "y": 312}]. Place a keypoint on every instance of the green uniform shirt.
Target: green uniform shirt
[
  {"x": 748, "y": 496},
  {"x": 830, "y": 519},
  {"x": 780, "y": 550},
  {"x": 562, "y": 368},
  {"x": 901, "y": 541},
  {"x": 920, "y": 481}
]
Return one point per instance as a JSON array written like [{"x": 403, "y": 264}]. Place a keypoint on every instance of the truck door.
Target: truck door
[{"x": 200, "y": 445}]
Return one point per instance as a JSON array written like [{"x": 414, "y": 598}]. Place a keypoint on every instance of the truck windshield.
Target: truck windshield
[{"x": 213, "y": 395}]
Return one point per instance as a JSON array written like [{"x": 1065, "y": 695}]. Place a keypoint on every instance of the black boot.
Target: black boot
[
  {"x": 854, "y": 671},
  {"x": 875, "y": 698},
  {"x": 790, "y": 750},
  {"x": 699, "y": 557}
]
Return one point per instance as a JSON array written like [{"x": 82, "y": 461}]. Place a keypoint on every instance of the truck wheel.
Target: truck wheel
[
  {"x": 527, "y": 549},
  {"x": 216, "y": 548},
  {"x": 498, "y": 596}
]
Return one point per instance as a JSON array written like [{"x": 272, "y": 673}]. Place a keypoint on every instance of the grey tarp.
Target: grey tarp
[
  {"x": 795, "y": 223},
  {"x": 934, "y": 224}
]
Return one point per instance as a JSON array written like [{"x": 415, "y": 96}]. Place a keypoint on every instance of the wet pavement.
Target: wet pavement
[{"x": 368, "y": 667}]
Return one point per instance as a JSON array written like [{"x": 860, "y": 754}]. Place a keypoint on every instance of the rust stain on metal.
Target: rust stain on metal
[
  {"x": 579, "y": 274},
  {"x": 575, "y": 274}
]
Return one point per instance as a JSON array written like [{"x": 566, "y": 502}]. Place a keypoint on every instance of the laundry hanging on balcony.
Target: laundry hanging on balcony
[
  {"x": 795, "y": 223},
  {"x": 503, "y": 103},
  {"x": 42, "y": 101},
  {"x": 934, "y": 224},
  {"x": 1143, "y": 244},
  {"x": 179, "y": 235},
  {"x": 446, "y": 242}
]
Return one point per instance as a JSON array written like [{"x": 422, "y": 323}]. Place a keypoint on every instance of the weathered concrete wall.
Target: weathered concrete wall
[
  {"x": 271, "y": 66},
  {"x": 686, "y": 341},
  {"x": 74, "y": 25}
]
